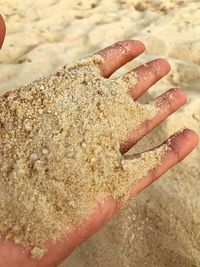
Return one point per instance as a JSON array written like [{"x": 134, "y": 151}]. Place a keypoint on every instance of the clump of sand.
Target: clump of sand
[{"x": 60, "y": 150}]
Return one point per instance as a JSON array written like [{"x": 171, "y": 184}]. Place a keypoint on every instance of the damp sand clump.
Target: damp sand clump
[{"x": 60, "y": 150}]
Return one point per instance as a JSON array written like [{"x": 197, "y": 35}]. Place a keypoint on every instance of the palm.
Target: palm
[{"x": 181, "y": 145}]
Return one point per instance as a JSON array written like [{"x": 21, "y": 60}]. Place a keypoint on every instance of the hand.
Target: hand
[{"x": 181, "y": 145}]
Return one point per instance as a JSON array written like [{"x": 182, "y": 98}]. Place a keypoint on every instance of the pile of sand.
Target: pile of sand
[
  {"x": 161, "y": 228},
  {"x": 60, "y": 150}
]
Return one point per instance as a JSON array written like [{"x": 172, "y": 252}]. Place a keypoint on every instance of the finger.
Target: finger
[
  {"x": 147, "y": 75},
  {"x": 180, "y": 145},
  {"x": 166, "y": 104},
  {"x": 118, "y": 54},
  {"x": 2, "y": 31}
]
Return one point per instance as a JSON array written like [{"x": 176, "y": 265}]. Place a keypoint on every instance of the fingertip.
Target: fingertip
[
  {"x": 177, "y": 93},
  {"x": 170, "y": 101},
  {"x": 161, "y": 66},
  {"x": 118, "y": 54},
  {"x": 164, "y": 62},
  {"x": 131, "y": 47},
  {"x": 183, "y": 142},
  {"x": 194, "y": 135},
  {"x": 140, "y": 44},
  {"x": 133, "y": 42},
  {"x": 189, "y": 137}
]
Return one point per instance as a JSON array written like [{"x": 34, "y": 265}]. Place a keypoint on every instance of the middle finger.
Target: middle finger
[{"x": 147, "y": 75}]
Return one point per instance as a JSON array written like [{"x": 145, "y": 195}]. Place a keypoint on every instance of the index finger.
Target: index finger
[
  {"x": 118, "y": 54},
  {"x": 2, "y": 30}
]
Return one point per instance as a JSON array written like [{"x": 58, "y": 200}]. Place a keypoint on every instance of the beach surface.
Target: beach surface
[{"x": 161, "y": 227}]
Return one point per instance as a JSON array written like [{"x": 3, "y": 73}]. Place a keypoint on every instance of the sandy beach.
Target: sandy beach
[{"x": 161, "y": 227}]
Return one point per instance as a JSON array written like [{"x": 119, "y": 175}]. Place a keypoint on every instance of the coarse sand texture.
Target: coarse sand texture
[
  {"x": 60, "y": 141},
  {"x": 161, "y": 227}
]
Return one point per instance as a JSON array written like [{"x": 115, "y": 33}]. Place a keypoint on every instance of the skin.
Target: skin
[{"x": 181, "y": 145}]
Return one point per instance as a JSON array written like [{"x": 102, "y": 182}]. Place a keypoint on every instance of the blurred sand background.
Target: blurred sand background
[{"x": 161, "y": 227}]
